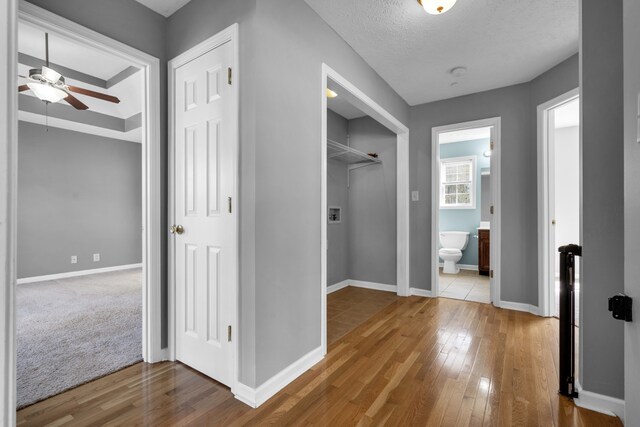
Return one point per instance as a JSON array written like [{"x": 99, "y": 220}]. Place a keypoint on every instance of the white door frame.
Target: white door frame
[
  {"x": 378, "y": 113},
  {"x": 495, "y": 122},
  {"x": 8, "y": 207},
  {"x": 228, "y": 35},
  {"x": 151, "y": 247},
  {"x": 546, "y": 275}
]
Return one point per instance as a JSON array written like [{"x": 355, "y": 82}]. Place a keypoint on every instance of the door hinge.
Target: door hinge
[
  {"x": 491, "y": 274},
  {"x": 491, "y": 145},
  {"x": 491, "y": 210},
  {"x": 229, "y": 75},
  {"x": 229, "y": 333},
  {"x": 230, "y": 202}
]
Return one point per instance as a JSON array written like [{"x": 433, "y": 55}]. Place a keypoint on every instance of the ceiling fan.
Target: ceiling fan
[{"x": 49, "y": 85}]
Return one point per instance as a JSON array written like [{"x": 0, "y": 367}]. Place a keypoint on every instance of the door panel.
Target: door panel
[{"x": 204, "y": 181}]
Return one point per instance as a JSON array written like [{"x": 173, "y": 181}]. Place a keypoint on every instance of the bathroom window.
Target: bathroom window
[{"x": 457, "y": 183}]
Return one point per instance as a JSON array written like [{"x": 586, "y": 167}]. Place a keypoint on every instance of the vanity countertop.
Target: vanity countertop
[{"x": 484, "y": 225}]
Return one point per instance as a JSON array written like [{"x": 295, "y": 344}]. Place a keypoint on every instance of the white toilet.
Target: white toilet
[{"x": 453, "y": 243}]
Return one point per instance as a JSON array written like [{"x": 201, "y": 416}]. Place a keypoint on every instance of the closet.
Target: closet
[{"x": 361, "y": 200}]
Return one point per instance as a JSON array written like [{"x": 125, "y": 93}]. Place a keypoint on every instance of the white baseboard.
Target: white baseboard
[
  {"x": 463, "y": 266},
  {"x": 361, "y": 284},
  {"x": 373, "y": 285},
  {"x": 255, "y": 397},
  {"x": 337, "y": 286},
  {"x": 420, "y": 292},
  {"x": 599, "y": 403},
  {"x": 518, "y": 306},
  {"x": 77, "y": 273}
]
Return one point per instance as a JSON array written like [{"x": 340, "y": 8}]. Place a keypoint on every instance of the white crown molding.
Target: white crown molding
[
  {"x": 58, "y": 276},
  {"x": 255, "y": 397}
]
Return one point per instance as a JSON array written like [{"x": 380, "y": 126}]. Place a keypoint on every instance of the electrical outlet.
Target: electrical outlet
[
  {"x": 415, "y": 196},
  {"x": 74, "y": 259},
  {"x": 96, "y": 257}
]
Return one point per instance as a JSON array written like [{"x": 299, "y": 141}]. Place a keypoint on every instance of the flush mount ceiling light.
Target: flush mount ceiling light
[
  {"x": 437, "y": 7},
  {"x": 331, "y": 94}
]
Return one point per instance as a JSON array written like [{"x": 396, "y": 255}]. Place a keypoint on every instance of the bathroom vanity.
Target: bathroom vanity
[{"x": 484, "y": 250}]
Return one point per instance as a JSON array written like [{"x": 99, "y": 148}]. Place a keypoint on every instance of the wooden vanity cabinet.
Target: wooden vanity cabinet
[{"x": 484, "y": 252}]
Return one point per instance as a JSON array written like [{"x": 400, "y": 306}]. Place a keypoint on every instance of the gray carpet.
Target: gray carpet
[{"x": 73, "y": 330}]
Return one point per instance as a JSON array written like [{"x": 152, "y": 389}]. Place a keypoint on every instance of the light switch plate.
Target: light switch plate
[{"x": 415, "y": 196}]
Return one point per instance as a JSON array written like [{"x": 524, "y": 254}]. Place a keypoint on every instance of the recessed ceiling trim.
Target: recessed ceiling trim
[{"x": 33, "y": 62}]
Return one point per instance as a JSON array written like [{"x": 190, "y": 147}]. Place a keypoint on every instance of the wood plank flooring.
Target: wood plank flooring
[
  {"x": 417, "y": 362},
  {"x": 350, "y": 307}
]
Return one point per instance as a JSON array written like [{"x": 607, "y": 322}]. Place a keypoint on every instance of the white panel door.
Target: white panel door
[{"x": 205, "y": 252}]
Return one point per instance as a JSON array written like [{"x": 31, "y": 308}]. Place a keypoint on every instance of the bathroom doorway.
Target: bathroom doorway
[
  {"x": 465, "y": 211},
  {"x": 558, "y": 195}
]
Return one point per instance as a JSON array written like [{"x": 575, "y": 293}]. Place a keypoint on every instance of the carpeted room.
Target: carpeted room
[{"x": 79, "y": 238}]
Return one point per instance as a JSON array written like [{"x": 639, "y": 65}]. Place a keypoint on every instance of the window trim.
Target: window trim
[{"x": 474, "y": 179}]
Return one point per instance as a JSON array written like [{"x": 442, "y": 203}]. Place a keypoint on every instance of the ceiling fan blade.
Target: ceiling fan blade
[
  {"x": 75, "y": 102},
  {"x": 22, "y": 88},
  {"x": 98, "y": 95}
]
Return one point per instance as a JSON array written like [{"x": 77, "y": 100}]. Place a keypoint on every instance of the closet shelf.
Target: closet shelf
[{"x": 349, "y": 155}]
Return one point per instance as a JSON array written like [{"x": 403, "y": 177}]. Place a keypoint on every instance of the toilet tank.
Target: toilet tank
[{"x": 454, "y": 239}]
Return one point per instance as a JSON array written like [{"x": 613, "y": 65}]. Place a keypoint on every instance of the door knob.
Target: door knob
[
  {"x": 553, "y": 222},
  {"x": 177, "y": 229}
]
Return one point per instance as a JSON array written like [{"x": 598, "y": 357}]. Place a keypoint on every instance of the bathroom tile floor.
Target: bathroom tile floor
[{"x": 466, "y": 285}]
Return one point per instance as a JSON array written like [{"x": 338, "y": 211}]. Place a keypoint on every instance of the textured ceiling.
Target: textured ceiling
[
  {"x": 165, "y": 8},
  {"x": 501, "y": 42}
]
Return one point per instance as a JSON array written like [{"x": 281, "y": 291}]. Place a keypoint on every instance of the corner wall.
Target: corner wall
[
  {"x": 517, "y": 106},
  {"x": 632, "y": 207},
  {"x": 601, "y": 102}
]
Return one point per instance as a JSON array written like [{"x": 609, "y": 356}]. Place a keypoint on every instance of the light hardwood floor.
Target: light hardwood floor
[{"x": 418, "y": 361}]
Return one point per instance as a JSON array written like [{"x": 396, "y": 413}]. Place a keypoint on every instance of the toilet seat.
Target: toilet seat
[{"x": 450, "y": 251}]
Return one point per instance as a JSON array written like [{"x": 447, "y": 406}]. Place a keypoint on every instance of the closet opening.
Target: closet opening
[{"x": 365, "y": 208}]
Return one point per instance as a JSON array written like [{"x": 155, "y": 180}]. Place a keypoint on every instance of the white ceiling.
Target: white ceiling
[
  {"x": 79, "y": 57},
  {"x": 568, "y": 115},
  {"x": 68, "y": 53},
  {"x": 501, "y": 42},
  {"x": 464, "y": 135},
  {"x": 165, "y": 8},
  {"x": 340, "y": 104}
]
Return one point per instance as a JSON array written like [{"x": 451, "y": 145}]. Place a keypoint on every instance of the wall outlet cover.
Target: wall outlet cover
[
  {"x": 74, "y": 259},
  {"x": 96, "y": 257},
  {"x": 415, "y": 196}
]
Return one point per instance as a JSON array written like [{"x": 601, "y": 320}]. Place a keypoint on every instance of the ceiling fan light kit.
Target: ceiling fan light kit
[
  {"x": 49, "y": 85},
  {"x": 436, "y": 7}
]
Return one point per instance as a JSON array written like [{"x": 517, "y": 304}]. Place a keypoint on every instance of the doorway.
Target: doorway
[
  {"x": 333, "y": 82},
  {"x": 465, "y": 226},
  {"x": 559, "y": 201},
  {"x": 149, "y": 220}
]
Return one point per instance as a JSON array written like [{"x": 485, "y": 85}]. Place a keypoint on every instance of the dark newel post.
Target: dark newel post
[{"x": 567, "y": 319}]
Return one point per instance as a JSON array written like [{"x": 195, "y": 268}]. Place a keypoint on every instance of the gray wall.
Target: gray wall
[
  {"x": 135, "y": 25},
  {"x": 602, "y": 195},
  {"x": 284, "y": 45},
  {"x": 78, "y": 194},
  {"x": 632, "y": 207},
  {"x": 337, "y": 195},
  {"x": 485, "y": 198},
  {"x": 372, "y": 205},
  {"x": 516, "y": 105}
]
